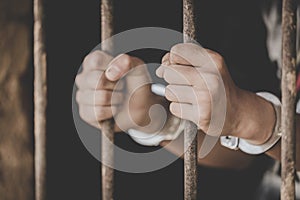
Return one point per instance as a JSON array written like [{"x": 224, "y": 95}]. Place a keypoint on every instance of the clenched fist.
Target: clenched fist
[
  {"x": 118, "y": 87},
  {"x": 200, "y": 88}
]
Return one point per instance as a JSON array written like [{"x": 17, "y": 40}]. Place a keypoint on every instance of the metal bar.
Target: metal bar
[
  {"x": 107, "y": 126},
  {"x": 288, "y": 84},
  {"x": 40, "y": 101},
  {"x": 190, "y": 131}
]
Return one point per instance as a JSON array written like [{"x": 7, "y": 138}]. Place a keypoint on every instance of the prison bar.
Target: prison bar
[
  {"x": 40, "y": 100},
  {"x": 107, "y": 126},
  {"x": 190, "y": 131},
  {"x": 288, "y": 84},
  {"x": 190, "y": 157}
]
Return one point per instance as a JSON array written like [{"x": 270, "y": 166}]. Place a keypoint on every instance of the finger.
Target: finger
[
  {"x": 164, "y": 62},
  {"x": 185, "y": 111},
  {"x": 88, "y": 80},
  {"x": 180, "y": 74},
  {"x": 99, "y": 97},
  {"x": 177, "y": 59},
  {"x": 186, "y": 94},
  {"x": 166, "y": 58},
  {"x": 96, "y": 60},
  {"x": 189, "y": 54},
  {"x": 119, "y": 66},
  {"x": 95, "y": 80},
  {"x": 92, "y": 114}
]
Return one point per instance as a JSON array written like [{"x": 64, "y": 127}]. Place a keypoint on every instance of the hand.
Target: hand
[
  {"x": 119, "y": 87},
  {"x": 200, "y": 88}
]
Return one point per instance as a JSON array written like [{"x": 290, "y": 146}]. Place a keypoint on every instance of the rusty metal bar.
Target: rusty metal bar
[
  {"x": 288, "y": 84},
  {"x": 107, "y": 126},
  {"x": 40, "y": 101},
  {"x": 190, "y": 131}
]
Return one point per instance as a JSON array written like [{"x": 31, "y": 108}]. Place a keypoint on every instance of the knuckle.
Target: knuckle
[
  {"x": 79, "y": 79},
  {"x": 125, "y": 60},
  {"x": 93, "y": 59},
  {"x": 177, "y": 47},
  {"x": 218, "y": 58},
  {"x": 212, "y": 82},
  {"x": 90, "y": 60},
  {"x": 165, "y": 58},
  {"x": 203, "y": 124}
]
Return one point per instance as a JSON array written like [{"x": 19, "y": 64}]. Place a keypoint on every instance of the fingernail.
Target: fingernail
[{"x": 112, "y": 73}]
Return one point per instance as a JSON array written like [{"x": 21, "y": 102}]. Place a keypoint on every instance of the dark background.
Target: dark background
[{"x": 233, "y": 28}]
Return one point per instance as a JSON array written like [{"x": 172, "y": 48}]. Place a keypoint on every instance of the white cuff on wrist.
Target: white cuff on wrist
[
  {"x": 154, "y": 139},
  {"x": 245, "y": 146}
]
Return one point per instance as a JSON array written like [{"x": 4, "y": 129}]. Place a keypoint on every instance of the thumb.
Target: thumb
[
  {"x": 135, "y": 69},
  {"x": 119, "y": 66}
]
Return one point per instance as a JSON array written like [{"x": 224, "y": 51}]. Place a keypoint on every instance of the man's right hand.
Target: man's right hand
[{"x": 118, "y": 86}]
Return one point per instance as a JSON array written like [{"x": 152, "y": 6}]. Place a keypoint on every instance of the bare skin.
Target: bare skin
[{"x": 247, "y": 115}]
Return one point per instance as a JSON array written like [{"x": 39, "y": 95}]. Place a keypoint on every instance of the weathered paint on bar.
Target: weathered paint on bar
[
  {"x": 288, "y": 84},
  {"x": 40, "y": 101},
  {"x": 190, "y": 141},
  {"x": 107, "y": 126}
]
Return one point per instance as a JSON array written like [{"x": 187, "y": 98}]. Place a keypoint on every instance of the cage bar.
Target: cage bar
[
  {"x": 107, "y": 126},
  {"x": 288, "y": 84},
  {"x": 190, "y": 131},
  {"x": 40, "y": 101}
]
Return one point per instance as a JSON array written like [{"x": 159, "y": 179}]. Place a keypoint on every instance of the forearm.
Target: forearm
[
  {"x": 255, "y": 117},
  {"x": 257, "y": 121}
]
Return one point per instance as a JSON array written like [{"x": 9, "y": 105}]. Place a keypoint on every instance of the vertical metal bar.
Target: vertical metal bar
[
  {"x": 288, "y": 85},
  {"x": 40, "y": 101},
  {"x": 107, "y": 125},
  {"x": 190, "y": 131}
]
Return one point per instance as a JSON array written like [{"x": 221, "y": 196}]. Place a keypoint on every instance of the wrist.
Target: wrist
[{"x": 255, "y": 118}]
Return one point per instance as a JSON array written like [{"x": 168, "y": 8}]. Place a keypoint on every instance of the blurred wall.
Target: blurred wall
[{"x": 16, "y": 166}]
